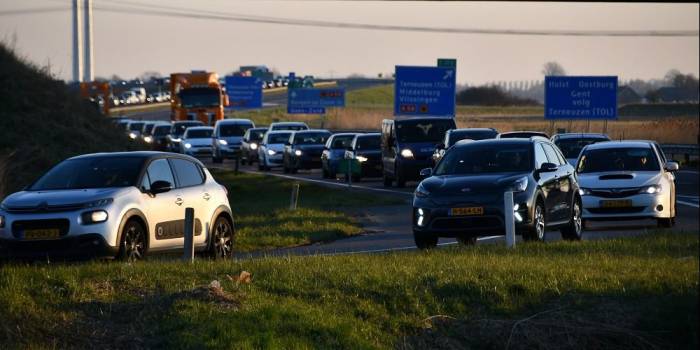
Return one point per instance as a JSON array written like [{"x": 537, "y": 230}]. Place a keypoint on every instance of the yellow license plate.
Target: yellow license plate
[
  {"x": 467, "y": 211},
  {"x": 616, "y": 204},
  {"x": 41, "y": 234}
]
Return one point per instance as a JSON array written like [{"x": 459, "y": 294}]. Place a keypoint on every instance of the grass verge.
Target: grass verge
[
  {"x": 263, "y": 220},
  {"x": 637, "y": 293}
]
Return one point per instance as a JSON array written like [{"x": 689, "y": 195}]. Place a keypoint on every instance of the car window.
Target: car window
[
  {"x": 618, "y": 159},
  {"x": 661, "y": 152},
  {"x": 368, "y": 142},
  {"x": 159, "y": 170},
  {"x": 342, "y": 142},
  {"x": 277, "y": 138},
  {"x": 198, "y": 133},
  {"x": 256, "y": 135},
  {"x": 229, "y": 129},
  {"x": 489, "y": 158},
  {"x": 551, "y": 154},
  {"x": 562, "y": 159},
  {"x": 188, "y": 173},
  {"x": 540, "y": 156},
  {"x": 308, "y": 138}
]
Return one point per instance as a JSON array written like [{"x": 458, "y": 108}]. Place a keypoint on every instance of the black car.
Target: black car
[
  {"x": 521, "y": 134},
  {"x": 250, "y": 143},
  {"x": 464, "y": 196},
  {"x": 304, "y": 149},
  {"x": 454, "y": 135},
  {"x": 368, "y": 152}
]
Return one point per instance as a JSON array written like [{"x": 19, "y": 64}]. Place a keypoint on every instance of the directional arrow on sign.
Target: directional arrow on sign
[{"x": 448, "y": 74}]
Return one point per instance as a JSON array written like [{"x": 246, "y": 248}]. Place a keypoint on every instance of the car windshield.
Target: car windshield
[
  {"x": 278, "y": 138},
  {"x": 572, "y": 147},
  {"x": 491, "y": 158},
  {"x": 423, "y": 130},
  {"x": 199, "y": 133},
  {"x": 311, "y": 138},
  {"x": 161, "y": 130},
  {"x": 227, "y": 130},
  {"x": 200, "y": 97},
  {"x": 471, "y": 135},
  {"x": 147, "y": 129},
  {"x": 179, "y": 128},
  {"x": 90, "y": 173},
  {"x": 293, "y": 127},
  {"x": 618, "y": 159},
  {"x": 136, "y": 126},
  {"x": 370, "y": 142},
  {"x": 342, "y": 142},
  {"x": 257, "y": 135}
]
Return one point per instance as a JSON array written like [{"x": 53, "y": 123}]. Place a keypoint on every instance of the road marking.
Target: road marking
[
  {"x": 694, "y": 205},
  {"x": 371, "y": 251},
  {"x": 328, "y": 182}
]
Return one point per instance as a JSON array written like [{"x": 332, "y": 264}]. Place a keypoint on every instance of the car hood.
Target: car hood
[
  {"x": 617, "y": 179},
  {"x": 277, "y": 147},
  {"x": 61, "y": 197},
  {"x": 199, "y": 142},
  {"x": 471, "y": 184}
]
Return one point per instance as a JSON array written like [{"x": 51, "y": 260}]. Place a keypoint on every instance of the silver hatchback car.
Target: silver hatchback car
[{"x": 124, "y": 205}]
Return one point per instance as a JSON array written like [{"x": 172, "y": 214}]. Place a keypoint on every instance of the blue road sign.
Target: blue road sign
[
  {"x": 314, "y": 101},
  {"x": 424, "y": 91},
  {"x": 244, "y": 92},
  {"x": 580, "y": 97}
]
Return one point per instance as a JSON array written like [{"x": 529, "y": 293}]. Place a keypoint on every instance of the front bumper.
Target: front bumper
[
  {"x": 198, "y": 151},
  {"x": 227, "y": 151},
  {"x": 274, "y": 161},
  {"x": 641, "y": 206},
  {"x": 91, "y": 245},
  {"x": 308, "y": 162}
]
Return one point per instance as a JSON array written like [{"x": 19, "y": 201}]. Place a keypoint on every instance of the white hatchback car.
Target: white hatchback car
[
  {"x": 627, "y": 180},
  {"x": 271, "y": 149},
  {"x": 124, "y": 205},
  {"x": 197, "y": 141}
]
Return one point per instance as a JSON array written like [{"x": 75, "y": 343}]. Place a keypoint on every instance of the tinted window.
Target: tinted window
[
  {"x": 540, "y": 156},
  {"x": 227, "y": 129},
  {"x": 278, "y": 138},
  {"x": 159, "y": 170},
  {"x": 572, "y": 147},
  {"x": 618, "y": 159},
  {"x": 147, "y": 128},
  {"x": 91, "y": 173},
  {"x": 342, "y": 142},
  {"x": 161, "y": 130},
  {"x": 471, "y": 135},
  {"x": 311, "y": 138},
  {"x": 188, "y": 173},
  {"x": 135, "y": 126},
  {"x": 199, "y": 134},
  {"x": 179, "y": 128},
  {"x": 200, "y": 97},
  {"x": 256, "y": 135},
  {"x": 480, "y": 159},
  {"x": 551, "y": 154},
  {"x": 368, "y": 142},
  {"x": 423, "y": 130}
]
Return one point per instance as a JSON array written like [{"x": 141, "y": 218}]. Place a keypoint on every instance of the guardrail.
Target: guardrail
[{"x": 686, "y": 151}]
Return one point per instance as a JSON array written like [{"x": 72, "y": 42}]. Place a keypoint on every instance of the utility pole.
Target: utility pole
[
  {"x": 77, "y": 42},
  {"x": 89, "y": 57}
]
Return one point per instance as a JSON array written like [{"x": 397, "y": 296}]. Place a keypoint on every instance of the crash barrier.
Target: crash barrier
[
  {"x": 188, "y": 254},
  {"x": 686, "y": 152},
  {"x": 508, "y": 209}
]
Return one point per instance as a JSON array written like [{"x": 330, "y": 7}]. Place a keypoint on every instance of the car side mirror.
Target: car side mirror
[
  {"x": 160, "y": 186},
  {"x": 548, "y": 167},
  {"x": 671, "y": 166},
  {"x": 427, "y": 172}
]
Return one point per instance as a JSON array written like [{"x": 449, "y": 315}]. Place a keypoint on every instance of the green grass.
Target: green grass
[
  {"x": 376, "y": 95},
  {"x": 626, "y": 293},
  {"x": 263, "y": 220}
]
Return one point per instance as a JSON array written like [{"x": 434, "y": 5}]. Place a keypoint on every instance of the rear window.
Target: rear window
[
  {"x": 618, "y": 159},
  {"x": 187, "y": 173}
]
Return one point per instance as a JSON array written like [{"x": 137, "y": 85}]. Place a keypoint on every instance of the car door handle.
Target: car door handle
[
  {"x": 206, "y": 196},
  {"x": 179, "y": 201}
]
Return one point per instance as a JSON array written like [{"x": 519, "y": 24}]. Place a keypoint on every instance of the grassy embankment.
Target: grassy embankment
[
  {"x": 633, "y": 293},
  {"x": 263, "y": 220}
]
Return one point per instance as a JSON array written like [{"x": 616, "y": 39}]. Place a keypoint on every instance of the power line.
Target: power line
[{"x": 170, "y": 11}]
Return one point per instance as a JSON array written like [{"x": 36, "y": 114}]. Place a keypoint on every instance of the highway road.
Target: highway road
[{"x": 389, "y": 227}]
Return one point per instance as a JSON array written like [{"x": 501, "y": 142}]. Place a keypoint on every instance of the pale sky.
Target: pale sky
[{"x": 130, "y": 44}]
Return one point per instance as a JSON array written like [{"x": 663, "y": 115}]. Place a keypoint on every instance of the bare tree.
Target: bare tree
[
  {"x": 149, "y": 75},
  {"x": 671, "y": 76},
  {"x": 553, "y": 68}
]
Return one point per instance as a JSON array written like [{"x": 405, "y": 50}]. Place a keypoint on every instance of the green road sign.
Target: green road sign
[{"x": 447, "y": 62}]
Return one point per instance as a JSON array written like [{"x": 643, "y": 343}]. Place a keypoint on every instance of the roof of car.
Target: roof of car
[
  {"x": 275, "y": 132},
  {"x": 345, "y": 134},
  {"x": 473, "y": 129},
  {"x": 573, "y": 135},
  {"x": 309, "y": 131},
  {"x": 234, "y": 121},
  {"x": 621, "y": 144},
  {"x": 188, "y": 122},
  {"x": 200, "y": 128},
  {"x": 288, "y": 123},
  {"x": 513, "y": 141},
  {"x": 372, "y": 134},
  {"x": 136, "y": 154}
]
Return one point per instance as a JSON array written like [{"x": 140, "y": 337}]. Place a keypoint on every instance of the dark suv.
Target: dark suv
[
  {"x": 304, "y": 149},
  {"x": 464, "y": 196}
]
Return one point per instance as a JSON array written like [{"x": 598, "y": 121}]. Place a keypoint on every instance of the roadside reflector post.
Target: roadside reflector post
[
  {"x": 189, "y": 235},
  {"x": 509, "y": 219},
  {"x": 295, "y": 197}
]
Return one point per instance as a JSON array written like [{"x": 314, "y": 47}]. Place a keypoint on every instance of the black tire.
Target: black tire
[
  {"x": 466, "y": 240},
  {"x": 325, "y": 173},
  {"x": 134, "y": 242},
  {"x": 221, "y": 244},
  {"x": 539, "y": 224},
  {"x": 387, "y": 180},
  {"x": 425, "y": 241},
  {"x": 573, "y": 231},
  {"x": 666, "y": 222}
]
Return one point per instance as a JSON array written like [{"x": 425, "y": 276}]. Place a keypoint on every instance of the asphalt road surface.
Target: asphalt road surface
[{"x": 389, "y": 227}]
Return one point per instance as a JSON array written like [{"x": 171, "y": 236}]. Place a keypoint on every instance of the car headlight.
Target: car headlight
[
  {"x": 584, "y": 191},
  {"x": 653, "y": 189},
  {"x": 188, "y": 145},
  {"x": 406, "y": 153},
  {"x": 98, "y": 203},
  {"x": 253, "y": 146},
  {"x": 297, "y": 152},
  {"x": 148, "y": 139},
  {"x": 132, "y": 135},
  {"x": 93, "y": 217},
  {"x": 223, "y": 142},
  {"x": 520, "y": 185},
  {"x": 270, "y": 152},
  {"x": 175, "y": 139},
  {"x": 361, "y": 159},
  {"x": 421, "y": 192}
]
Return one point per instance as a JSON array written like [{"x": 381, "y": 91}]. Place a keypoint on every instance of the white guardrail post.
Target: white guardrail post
[{"x": 509, "y": 219}]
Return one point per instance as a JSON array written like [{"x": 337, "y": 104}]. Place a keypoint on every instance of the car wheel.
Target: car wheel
[
  {"x": 466, "y": 240},
  {"x": 325, "y": 173},
  {"x": 574, "y": 229},
  {"x": 537, "y": 232},
  {"x": 133, "y": 245},
  {"x": 387, "y": 181},
  {"x": 425, "y": 241},
  {"x": 221, "y": 246},
  {"x": 666, "y": 222}
]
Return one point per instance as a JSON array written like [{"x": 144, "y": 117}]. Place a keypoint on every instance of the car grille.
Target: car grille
[
  {"x": 615, "y": 192},
  {"x": 44, "y": 209},
  {"x": 627, "y": 210},
  {"x": 18, "y": 227},
  {"x": 486, "y": 222}
]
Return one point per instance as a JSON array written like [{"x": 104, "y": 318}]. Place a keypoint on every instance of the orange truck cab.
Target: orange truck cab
[
  {"x": 197, "y": 95},
  {"x": 98, "y": 92}
]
